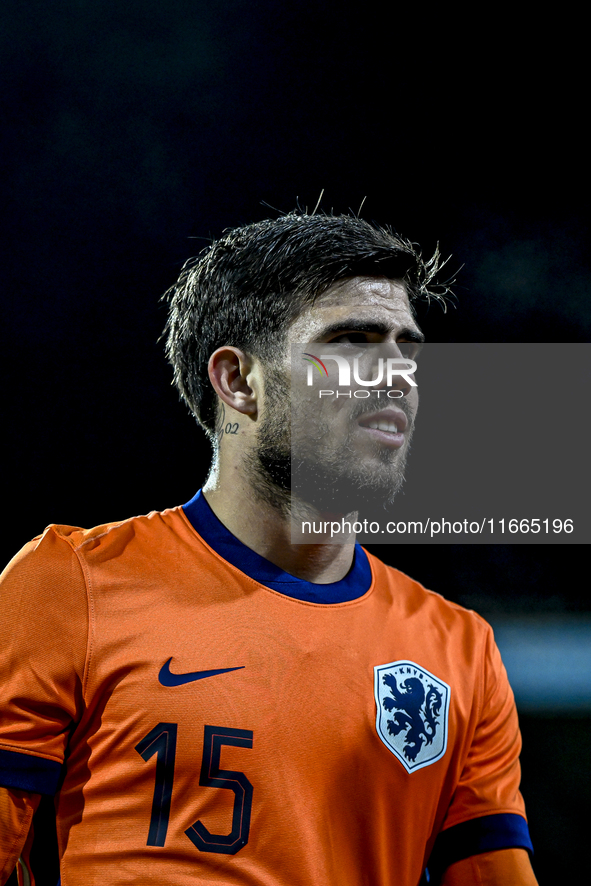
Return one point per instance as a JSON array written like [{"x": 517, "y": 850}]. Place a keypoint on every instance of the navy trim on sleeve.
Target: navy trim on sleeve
[
  {"x": 504, "y": 830},
  {"x": 354, "y": 585},
  {"x": 25, "y": 772}
]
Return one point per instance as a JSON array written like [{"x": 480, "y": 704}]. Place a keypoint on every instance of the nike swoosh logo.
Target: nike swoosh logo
[{"x": 168, "y": 679}]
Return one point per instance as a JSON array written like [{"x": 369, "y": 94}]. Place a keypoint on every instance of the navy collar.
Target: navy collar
[{"x": 206, "y": 524}]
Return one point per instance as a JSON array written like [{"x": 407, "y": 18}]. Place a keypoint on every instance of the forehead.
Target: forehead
[{"x": 371, "y": 299}]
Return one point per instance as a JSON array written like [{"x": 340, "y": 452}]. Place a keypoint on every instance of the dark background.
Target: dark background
[{"x": 134, "y": 132}]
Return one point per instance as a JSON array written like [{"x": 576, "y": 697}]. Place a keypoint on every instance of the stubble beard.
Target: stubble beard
[{"x": 339, "y": 483}]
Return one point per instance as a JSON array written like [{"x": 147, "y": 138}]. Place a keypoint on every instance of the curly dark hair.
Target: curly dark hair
[{"x": 246, "y": 289}]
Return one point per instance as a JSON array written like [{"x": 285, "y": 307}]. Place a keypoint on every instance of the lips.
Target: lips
[
  {"x": 390, "y": 421},
  {"x": 386, "y": 427}
]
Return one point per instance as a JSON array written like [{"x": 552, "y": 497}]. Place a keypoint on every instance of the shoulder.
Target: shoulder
[
  {"x": 65, "y": 550},
  {"x": 450, "y": 641},
  {"x": 117, "y": 534},
  {"x": 415, "y": 600}
]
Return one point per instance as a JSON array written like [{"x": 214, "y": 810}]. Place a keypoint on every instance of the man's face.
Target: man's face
[{"x": 342, "y": 453}]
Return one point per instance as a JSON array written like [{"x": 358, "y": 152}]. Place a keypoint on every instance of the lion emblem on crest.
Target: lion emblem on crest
[
  {"x": 416, "y": 713},
  {"x": 412, "y": 713}
]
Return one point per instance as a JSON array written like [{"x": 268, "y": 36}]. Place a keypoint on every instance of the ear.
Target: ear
[{"x": 234, "y": 381}]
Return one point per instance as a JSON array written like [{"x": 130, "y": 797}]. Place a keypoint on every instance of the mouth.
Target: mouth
[{"x": 387, "y": 427}]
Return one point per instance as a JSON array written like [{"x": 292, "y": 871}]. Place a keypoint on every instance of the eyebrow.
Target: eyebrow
[{"x": 376, "y": 326}]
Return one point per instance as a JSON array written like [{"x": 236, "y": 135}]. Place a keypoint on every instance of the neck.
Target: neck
[{"x": 265, "y": 526}]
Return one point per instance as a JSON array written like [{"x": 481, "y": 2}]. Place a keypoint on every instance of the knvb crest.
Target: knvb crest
[{"x": 412, "y": 710}]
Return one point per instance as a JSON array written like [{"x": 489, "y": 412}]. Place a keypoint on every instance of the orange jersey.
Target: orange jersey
[{"x": 202, "y": 718}]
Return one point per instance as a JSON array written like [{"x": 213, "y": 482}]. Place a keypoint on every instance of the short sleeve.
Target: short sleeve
[
  {"x": 43, "y": 642},
  {"x": 487, "y": 811}
]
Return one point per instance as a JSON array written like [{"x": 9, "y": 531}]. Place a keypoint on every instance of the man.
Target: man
[{"x": 210, "y": 702}]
